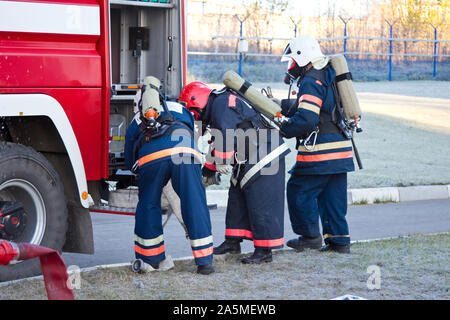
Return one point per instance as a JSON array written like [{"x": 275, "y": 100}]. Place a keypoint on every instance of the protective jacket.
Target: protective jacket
[
  {"x": 178, "y": 141},
  {"x": 258, "y": 159},
  {"x": 332, "y": 153},
  {"x": 318, "y": 184},
  {"x": 249, "y": 151},
  {"x": 174, "y": 157}
]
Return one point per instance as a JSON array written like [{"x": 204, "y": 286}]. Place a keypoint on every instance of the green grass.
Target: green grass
[
  {"x": 396, "y": 150},
  {"x": 414, "y": 267},
  {"x": 383, "y": 201},
  {"x": 360, "y": 202},
  {"x": 375, "y": 201}
]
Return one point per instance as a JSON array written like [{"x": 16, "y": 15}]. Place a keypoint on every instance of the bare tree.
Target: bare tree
[{"x": 259, "y": 22}]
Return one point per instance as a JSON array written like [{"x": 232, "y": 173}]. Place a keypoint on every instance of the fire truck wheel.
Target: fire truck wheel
[{"x": 31, "y": 189}]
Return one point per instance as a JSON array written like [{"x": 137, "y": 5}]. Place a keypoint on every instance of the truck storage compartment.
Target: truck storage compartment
[
  {"x": 145, "y": 40},
  {"x": 117, "y": 129}
]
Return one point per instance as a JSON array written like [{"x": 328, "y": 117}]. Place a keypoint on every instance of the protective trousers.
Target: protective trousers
[
  {"x": 312, "y": 196},
  {"x": 257, "y": 212},
  {"x": 187, "y": 183}
]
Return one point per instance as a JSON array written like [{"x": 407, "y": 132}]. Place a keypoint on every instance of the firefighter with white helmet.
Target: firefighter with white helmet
[
  {"x": 304, "y": 50},
  {"x": 318, "y": 183},
  {"x": 258, "y": 168}
]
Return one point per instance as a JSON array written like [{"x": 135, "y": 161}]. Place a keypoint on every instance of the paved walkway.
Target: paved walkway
[{"x": 114, "y": 235}]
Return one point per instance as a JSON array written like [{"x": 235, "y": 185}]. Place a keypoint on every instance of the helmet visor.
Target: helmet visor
[
  {"x": 286, "y": 53},
  {"x": 291, "y": 64}
]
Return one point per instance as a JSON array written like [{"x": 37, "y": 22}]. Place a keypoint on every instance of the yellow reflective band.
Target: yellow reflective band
[
  {"x": 310, "y": 107},
  {"x": 331, "y": 236},
  {"x": 327, "y": 146},
  {"x": 149, "y": 242},
  {"x": 117, "y": 138},
  {"x": 201, "y": 242}
]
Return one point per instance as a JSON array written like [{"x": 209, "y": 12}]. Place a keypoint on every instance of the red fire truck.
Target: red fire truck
[{"x": 70, "y": 72}]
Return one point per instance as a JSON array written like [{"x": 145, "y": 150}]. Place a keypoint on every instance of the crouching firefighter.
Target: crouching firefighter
[
  {"x": 256, "y": 154},
  {"x": 318, "y": 183},
  {"x": 159, "y": 147}
]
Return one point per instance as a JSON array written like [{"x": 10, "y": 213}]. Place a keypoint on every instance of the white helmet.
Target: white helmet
[{"x": 303, "y": 50}]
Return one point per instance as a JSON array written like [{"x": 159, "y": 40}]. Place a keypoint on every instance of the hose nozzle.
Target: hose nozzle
[{"x": 9, "y": 251}]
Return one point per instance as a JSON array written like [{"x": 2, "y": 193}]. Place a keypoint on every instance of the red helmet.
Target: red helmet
[{"x": 195, "y": 95}]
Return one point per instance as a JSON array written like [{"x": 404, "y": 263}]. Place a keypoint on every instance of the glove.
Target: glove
[
  {"x": 207, "y": 173},
  {"x": 209, "y": 181},
  {"x": 213, "y": 180},
  {"x": 209, "y": 177},
  {"x": 223, "y": 168}
]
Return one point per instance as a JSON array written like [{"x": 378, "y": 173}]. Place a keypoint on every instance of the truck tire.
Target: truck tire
[{"x": 27, "y": 177}]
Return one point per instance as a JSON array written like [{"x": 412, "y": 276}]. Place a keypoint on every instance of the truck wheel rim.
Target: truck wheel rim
[{"x": 26, "y": 193}]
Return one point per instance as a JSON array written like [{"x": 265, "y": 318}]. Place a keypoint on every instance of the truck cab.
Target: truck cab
[{"x": 71, "y": 73}]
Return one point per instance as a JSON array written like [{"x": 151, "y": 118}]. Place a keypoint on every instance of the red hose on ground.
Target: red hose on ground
[
  {"x": 53, "y": 267},
  {"x": 7, "y": 253}
]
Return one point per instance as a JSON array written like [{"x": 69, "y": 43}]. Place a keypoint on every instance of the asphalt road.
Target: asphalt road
[{"x": 114, "y": 234}]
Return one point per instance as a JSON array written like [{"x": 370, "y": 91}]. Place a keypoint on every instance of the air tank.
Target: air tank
[{"x": 232, "y": 80}]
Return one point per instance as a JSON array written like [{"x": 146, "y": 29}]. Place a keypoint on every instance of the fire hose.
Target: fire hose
[{"x": 53, "y": 267}]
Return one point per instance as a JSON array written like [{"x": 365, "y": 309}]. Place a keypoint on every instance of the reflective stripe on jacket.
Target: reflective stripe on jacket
[
  {"x": 229, "y": 113},
  {"x": 179, "y": 142},
  {"x": 171, "y": 152},
  {"x": 332, "y": 153}
]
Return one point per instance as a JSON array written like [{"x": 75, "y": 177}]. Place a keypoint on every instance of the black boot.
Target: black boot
[
  {"x": 259, "y": 256},
  {"x": 302, "y": 243},
  {"x": 343, "y": 248},
  {"x": 205, "y": 269},
  {"x": 229, "y": 246}
]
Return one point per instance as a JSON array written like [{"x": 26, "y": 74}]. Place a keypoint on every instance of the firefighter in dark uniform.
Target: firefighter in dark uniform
[
  {"x": 171, "y": 155},
  {"x": 255, "y": 209},
  {"x": 318, "y": 183}
]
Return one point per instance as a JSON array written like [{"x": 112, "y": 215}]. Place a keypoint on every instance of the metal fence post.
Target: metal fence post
[
  {"x": 391, "y": 25},
  {"x": 241, "y": 22},
  {"x": 434, "y": 50},
  {"x": 240, "y": 53},
  {"x": 295, "y": 26},
  {"x": 345, "y": 38},
  {"x": 345, "y": 32},
  {"x": 435, "y": 45},
  {"x": 390, "y": 53}
]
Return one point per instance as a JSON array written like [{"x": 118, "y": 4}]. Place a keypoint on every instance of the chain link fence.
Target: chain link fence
[{"x": 369, "y": 58}]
